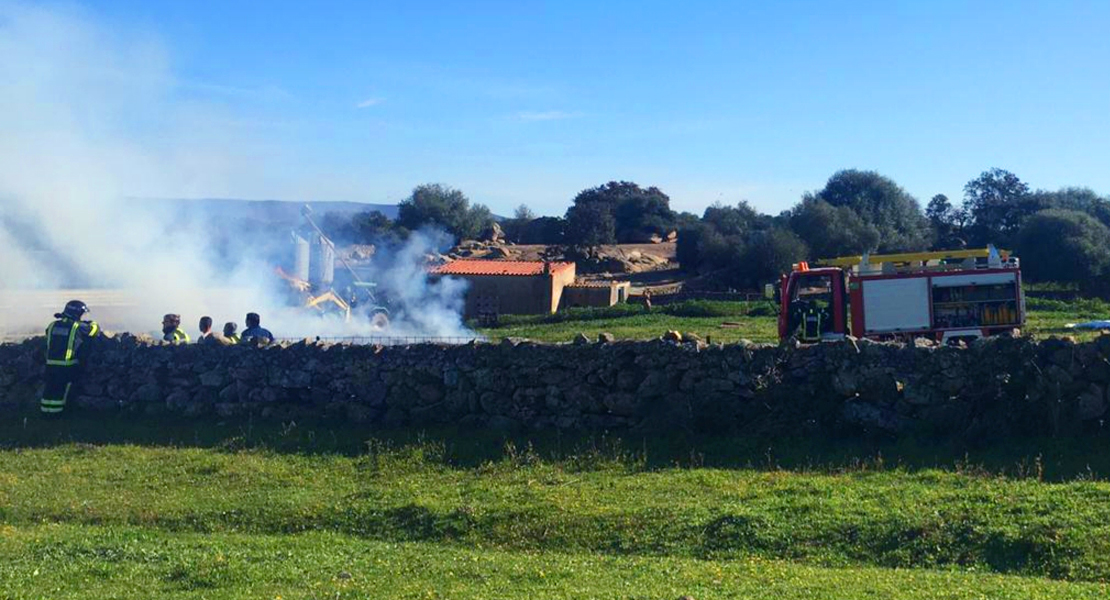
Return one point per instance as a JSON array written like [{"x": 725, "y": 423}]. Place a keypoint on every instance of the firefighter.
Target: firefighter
[
  {"x": 797, "y": 313},
  {"x": 813, "y": 319},
  {"x": 171, "y": 330},
  {"x": 231, "y": 335},
  {"x": 64, "y": 338}
]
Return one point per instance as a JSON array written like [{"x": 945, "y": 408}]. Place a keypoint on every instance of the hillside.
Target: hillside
[{"x": 277, "y": 212}]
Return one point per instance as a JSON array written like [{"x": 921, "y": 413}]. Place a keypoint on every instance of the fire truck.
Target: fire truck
[{"x": 944, "y": 296}]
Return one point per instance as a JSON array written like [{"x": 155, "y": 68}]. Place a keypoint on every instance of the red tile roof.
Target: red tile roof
[{"x": 498, "y": 267}]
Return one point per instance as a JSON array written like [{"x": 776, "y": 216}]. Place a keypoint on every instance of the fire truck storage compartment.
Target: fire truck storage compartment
[
  {"x": 982, "y": 299},
  {"x": 893, "y": 305}
]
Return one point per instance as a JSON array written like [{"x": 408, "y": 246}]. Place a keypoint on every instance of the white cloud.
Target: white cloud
[
  {"x": 546, "y": 115},
  {"x": 367, "y": 103}
]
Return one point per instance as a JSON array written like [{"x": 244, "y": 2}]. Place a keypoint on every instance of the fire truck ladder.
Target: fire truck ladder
[{"x": 916, "y": 261}]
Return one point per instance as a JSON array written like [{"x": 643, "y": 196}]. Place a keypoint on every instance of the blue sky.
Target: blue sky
[{"x": 521, "y": 102}]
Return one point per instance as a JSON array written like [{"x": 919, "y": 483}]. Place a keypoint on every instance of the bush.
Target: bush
[
  {"x": 706, "y": 308},
  {"x": 543, "y": 230},
  {"x": 1093, "y": 307},
  {"x": 1065, "y": 245}
]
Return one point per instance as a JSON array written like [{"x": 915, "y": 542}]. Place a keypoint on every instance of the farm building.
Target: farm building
[
  {"x": 596, "y": 293},
  {"x": 510, "y": 287}
]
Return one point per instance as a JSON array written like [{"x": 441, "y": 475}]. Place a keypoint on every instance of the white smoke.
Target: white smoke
[
  {"x": 420, "y": 305},
  {"x": 89, "y": 118}
]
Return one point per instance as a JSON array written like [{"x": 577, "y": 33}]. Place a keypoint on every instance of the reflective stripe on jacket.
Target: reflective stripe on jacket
[
  {"x": 177, "y": 336},
  {"x": 64, "y": 337}
]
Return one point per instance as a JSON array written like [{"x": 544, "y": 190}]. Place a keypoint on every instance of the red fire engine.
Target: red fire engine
[{"x": 960, "y": 294}]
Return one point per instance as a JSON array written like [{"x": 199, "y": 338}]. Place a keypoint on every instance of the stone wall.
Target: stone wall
[{"x": 994, "y": 387}]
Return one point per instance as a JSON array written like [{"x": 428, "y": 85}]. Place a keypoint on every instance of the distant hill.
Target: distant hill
[
  {"x": 257, "y": 228},
  {"x": 234, "y": 229},
  {"x": 271, "y": 212}
]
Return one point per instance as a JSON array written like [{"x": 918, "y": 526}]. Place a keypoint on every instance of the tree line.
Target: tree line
[{"x": 1061, "y": 235}]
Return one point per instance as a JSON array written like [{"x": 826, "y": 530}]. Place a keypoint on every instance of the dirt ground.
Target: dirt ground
[
  {"x": 665, "y": 250},
  {"x": 668, "y": 278}
]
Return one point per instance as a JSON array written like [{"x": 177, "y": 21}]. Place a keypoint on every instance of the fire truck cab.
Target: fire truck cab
[{"x": 954, "y": 295}]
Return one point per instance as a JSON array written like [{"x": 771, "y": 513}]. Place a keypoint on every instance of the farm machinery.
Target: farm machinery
[{"x": 314, "y": 284}]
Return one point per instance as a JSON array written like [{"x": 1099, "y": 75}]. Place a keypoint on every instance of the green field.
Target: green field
[
  {"x": 732, "y": 321},
  {"x": 126, "y": 508},
  {"x": 294, "y": 512}
]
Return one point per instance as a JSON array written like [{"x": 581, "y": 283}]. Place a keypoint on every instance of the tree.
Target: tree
[
  {"x": 1065, "y": 245},
  {"x": 685, "y": 219},
  {"x": 370, "y": 226},
  {"x": 701, "y": 247},
  {"x": 516, "y": 228},
  {"x": 766, "y": 255},
  {"x": 545, "y": 230},
  {"x": 441, "y": 206},
  {"x": 730, "y": 220},
  {"x": 637, "y": 212},
  {"x": 1074, "y": 198},
  {"x": 1101, "y": 211},
  {"x": 882, "y": 204},
  {"x": 947, "y": 222},
  {"x": 590, "y": 224},
  {"x": 361, "y": 228},
  {"x": 831, "y": 231},
  {"x": 997, "y": 202},
  {"x": 476, "y": 221},
  {"x": 523, "y": 213},
  {"x": 939, "y": 210}
]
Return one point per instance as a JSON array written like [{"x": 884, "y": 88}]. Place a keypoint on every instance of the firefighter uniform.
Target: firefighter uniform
[
  {"x": 231, "y": 335},
  {"x": 812, "y": 318},
  {"x": 171, "y": 330},
  {"x": 177, "y": 336},
  {"x": 63, "y": 355}
]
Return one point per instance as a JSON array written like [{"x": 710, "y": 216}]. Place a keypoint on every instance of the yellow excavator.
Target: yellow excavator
[{"x": 326, "y": 303}]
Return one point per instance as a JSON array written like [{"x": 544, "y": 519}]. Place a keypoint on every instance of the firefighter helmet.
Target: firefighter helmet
[{"x": 75, "y": 309}]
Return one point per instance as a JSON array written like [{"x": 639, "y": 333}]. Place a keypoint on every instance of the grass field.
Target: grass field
[
  {"x": 731, "y": 321},
  {"x": 131, "y": 509},
  {"x": 296, "y": 513}
]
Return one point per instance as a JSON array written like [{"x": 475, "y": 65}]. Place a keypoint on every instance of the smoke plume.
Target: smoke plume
[{"x": 91, "y": 118}]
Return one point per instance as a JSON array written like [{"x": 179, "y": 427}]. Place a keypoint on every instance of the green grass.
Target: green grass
[
  {"x": 1049, "y": 317},
  {"x": 434, "y": 519},
  {"x": 97, "y": 562},
  {"x": 755, "y": 321}
]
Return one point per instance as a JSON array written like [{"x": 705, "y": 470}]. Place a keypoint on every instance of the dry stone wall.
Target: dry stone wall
[{"x": 994, "y": 387}]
